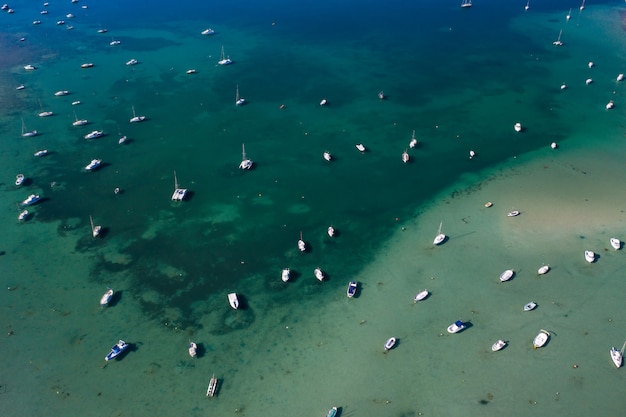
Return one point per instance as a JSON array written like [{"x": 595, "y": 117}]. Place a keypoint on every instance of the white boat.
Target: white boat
[
  {"x": 472, "y": 154},
  {"x": 207, "y": 32},
  {"x": 381, "y": 95},
  {"x": 79, "y": 122},
  {"x": 94, "y": 134},
  {"x": 541, "y": 339},
  {"x": 456, "y": 327},
  {"x": 210, "y": 392},
  {"x": 440, "y": 236},
  {"x": 420, "y": 296},
  {"x": 588, "y": 81},
  {"x": 331, "y": 231},
  {"x": 318, "y": 274},
  {"x": 563, "y": 86},
  {"x": 569, "y": 15},
  {"x": 543, "y": 270},
  {"x": 413, "y": 142},
  {"x": 45, "y": 114},
  {"x": 301, "y": 244},
  {"x": 323, "y": 102},
  {"x": 135, "y": 118},
  {"x": 122, "y": 140},
  {"x": 19, "y": 179},
  {"x": 30, "y": 67},
  {"x": 391, "y": 342},
  {"x": 530, "y": 306},
  {"x": 103, "y": 30},
  {"x": 27, "y": 133},
  {"x": 30, "y": 200},
  {"x": 590, "y": 64},
  {"x": 513, "y": 213},
  {"x": 132, "y": 61},
  {"x": 610, "y": 105},
  {"x": 499, "y": 345},
  {"x": 115, "y": 43},
  {"x": 245, "y": 162},
  {"x": 20, "y": 87},
  {"x": 582, "y": 6},
  {"x": 239, "y": 101},
  {"x": 75, "y": 103},
  {"x": 558, "y": 42},
  {"x": 332, "y": 412},
  {"x": 193, "y": 349},
  {"x": 466, "y": 3},
  {"x": 360, "y": 147},
  {"x": 42, "y": 152},
  {"x": 327, "y": 156},
  {"x": 518, "y": 127},
  {"x": 620, "y": 77},
  {"x": 117, "y": 350},
  {"x": 527, "y": 5},
  {"x": 233, "y": 300},
  {"x": 61, "y": 93},
  {"x": 95, "y": 229},
  {"x": 106, "y": 297},
  {"x": 617, "y": 355},
  {"x": 590, "y": 256},
  {"x": 285, "y": 274},
  {"x": 405, "y": 156},
  {"x": 506, "y": 275},
  {"x": 223, "y": 59},
  {"x": 179, "y": 193},
  {"x": 352, "y": 287},
  {"x": 87, "y": 65},
  {"x": 23, "y": 215},
  {"x": 93, "y": 165},
  {"x": 615, "y": 242},
  {"x": 190, "y": 71}
]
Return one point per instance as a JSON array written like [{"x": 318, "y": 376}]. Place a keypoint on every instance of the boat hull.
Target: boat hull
[
  {"x": 420, "y": 296},
  {"x": 541, "y": 339},
  {"x": 391, "y": 342},
  {"x": 499, "y": 345}
]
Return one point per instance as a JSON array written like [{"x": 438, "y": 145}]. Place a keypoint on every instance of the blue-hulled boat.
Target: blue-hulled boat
[
  {"x": 117, "y": 350},
  {"x": 352, "y": 287}
]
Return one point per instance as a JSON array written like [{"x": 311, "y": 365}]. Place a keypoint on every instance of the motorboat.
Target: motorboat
[
  {"x": 456, "y": 327},
  {"x": 42, "y": 152},
  {"x": 590, "y": 64},
  {"x": 212, "y": 389},
  {"x": 554, "y": 145},
  {"x": 518, "y": 127},
  {"x": 122, "y": 140},
  {"x": 488, "y": 204},
  {"x": 246, "y": 163},
  {"x": 45, "y": 114},
  {"x": 106, "y": 297},
  {"x": 23, "y": 215},
  {"x": 327, "y": 156},
  {"x": 239, "y": 101},
  {"x": 360, "y": 147},
  {"x": 588, "y": 81},
  {"x": 318, "y": 274},
  {"x": 223, "y": 59},
  {"x": 87, "y": 65},
  {"x": 193, "y": 349},
  {"x": 513, "y": 213},
  {"x": 103, "y": 30},
  {"x": 19, "y": 179},
  {"x": 506, "y": 275},
  {"x": 563, "y": 86},
  {"x": 530, "y": 306},
  {"x": 440, "y": 236},
  {"x": 94, "y": 135},
  {"x": 233, "y": 300},
  {"x": 93, "y": 165},
  {"x": 30, "y": 67},
  {"x": 620, "y": 77},
  {"x": 413, "y": 142},
  {"x": 207, "y": 32},
  {"x": 541, "y": 339},
  {"x": 323, "y": 102},
  {"x": 20, "y": 87},
  {"x": 117, "y": 350},
  {"x": 381, "y": 95},
  {"x": 30, "y": 200},
  {"x": 610, "y": 105},
  {"x": 331, "y": 231},
  {"x": 95, "y": 229},
  {"x": 615, "y": 242},
  {"x": 543, "y": 270},
  {"x": 499, "y": 345},
  {"x": 61, "y": 93},
  {"x": 352, "y": 287},
  {"x": 590, "y": 256},
  {"x": 132, "y": 61},
  {"x": 179, "y": 193},
  {"x": 135, "y": 118},
  {"x": 420, "y": 296},
  {"x": 190, "y": 71},
  {"x": 405, "y": 156},
  {"x": 332, "y": 412},
  {"x": 391, "y": 342},
  {"x": 617, "y": 355},
  {"x": 285, "y": 274},
  {"x": 76, "y": 103},
  {"x": 301, "y": 244},
  {"x": 472, "y": 154}
]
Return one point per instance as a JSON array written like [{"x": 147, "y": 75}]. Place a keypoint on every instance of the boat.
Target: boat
[
  {"x": 499, "y": 345},
  {"x": 19, "y": 179},
  {"x": 563, "y": 86},
  {"x": 466, "y": 3},
  {"x": 610, "y": 105},
  {"x": 440, "y": 236},
  {"x": 76, "y": 103},
  {"x": 30, "y": 67},
  {"x": 122, "y": 140},
  {"x": 413, "y": 142},
  {"x": 94, "y": 135},
  {"x": 332, "y": 412},
  {"x": 233, "y": 300},
  {"x": 132, "y": 61},
  {"x": 518, "y": 127},
  {"x": 472, "y": 154},
  {"x": 42, "y": 152},
  {"x": 135, "y": 118},
  {"x": 488, "y": 204},
  {"x": 323, "y": 102},
  {"x": 87, "y": 65},
  {"x": 115, "y": 43},
  {"x": 79, "y": 122},
  {"x": 245, "y": 162},
  {"x": 327, "y": 156},
  {"x": 27, "y": 133},
  {"x": 405, "y": 156},
  {"x": 207, "y": 32},
  {"x": 617, "y": 355},
  {"x": 23, "y": 215},
  {"x": 103, "y": 30},
  {"x": 117, "y": 350},
  {"x": 239, "y": 101},
  {"x": 45, "y": 114},
  {"x": 190, "y": 71},
  {"x": 301, "y": 244},
  {"x": 554, "y": 145},
  {"x": 513, "y": 213},
  {"x": 60, "y": 22},
  {"x": 331, "y": 231},
  {"x": 590, "y": 256},
  {"x": 20, "y": 87},
  {"x": 569, "y": 15},
  {"x": 179, "y": 193},
  {"x": 558, "y": 42},
  {"x": 543, "y": 270},
  {"x": 318, "y": 274},
  {"x": 285, "y": 274},
  {"x": 615, "y": 242},
  {"x": 381, "y": 95},
  {"x": 30, "y": 200},
  {"x": 391, "y": 342},
  {"x": 541, "y": 339},
  {"x": 530, "y": 306},
  {"x": 420, "y": 296},
  {"x": 223, "y": 59},
  {"x": 588, "y": 81},
  {"x": 95, "y": 230},
  {"x": 620, "y": 77},
  {"x": 527, "y": 5},
  {"x": 360, "y": 147},
  {"x": 61, "y": 93},
  {"x": 210, "y": 392},
  {"x": 456, "y": 327},
  {"x": 43, "y": 12},
  {"x": 193, "y": 349},
  {"x": 93, "y": 165},
  {"x": 582, "y": 6},
  {"x": 106, "y": 297},
  {"x": 352, "y": 287},
  {"x": 506, "y": 275}
]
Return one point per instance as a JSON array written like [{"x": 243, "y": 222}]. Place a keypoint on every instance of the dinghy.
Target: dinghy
[{"x": 499, "y": 345}]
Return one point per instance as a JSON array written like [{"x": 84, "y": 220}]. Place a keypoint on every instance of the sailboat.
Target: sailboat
[
  {"x": 301, "y": 244},
  {"x": 239, "y": 101},
  {"x": 78, "y": 122},
  {"x": 135, "y": 118},
  {"x": 223, "y": 60},
  {"x": 44, "y": 113},
  {"x": 569, "y": 15},
  {"x": 95, "y": 230},
  {"x": 245, "y": 162},
  {"x": 466, "y": 3},
  {"x": 582, "y": 6},
  {"x": 527, "y": 5},
  {"x": 405, "y": 156},
  {"x": 25, "y": 133},
  {"x": 440, "y": 236},
  {"x": 617, "y": 355},
  {"x": 558, "y": 42},
  {"x": 413, "y": 142},
  {"x": 179, "y": 193}
]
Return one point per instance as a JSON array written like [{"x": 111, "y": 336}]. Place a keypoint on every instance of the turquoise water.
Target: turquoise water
[{"x": 459, "y": 78}]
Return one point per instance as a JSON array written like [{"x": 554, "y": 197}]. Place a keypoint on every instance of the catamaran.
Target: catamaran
[
  {"x": 245, "y": 162},
  {"x": 210, "y": 392},
  {"x": 223, "y": 59},
  {"x": 179, "y": 193}
]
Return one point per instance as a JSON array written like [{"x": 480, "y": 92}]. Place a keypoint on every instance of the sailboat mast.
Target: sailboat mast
[
  {"x": 175, "y": 181},
  {"x": 623, "y": 348},
  {"x": 91, "y": 221},
  {"x": 243, "y": 152}
]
